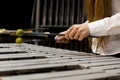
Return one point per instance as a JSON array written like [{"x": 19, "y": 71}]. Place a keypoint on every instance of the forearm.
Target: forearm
[{"x": 106, "y": 26}]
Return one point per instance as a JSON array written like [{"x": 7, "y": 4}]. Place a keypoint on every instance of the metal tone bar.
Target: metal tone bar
[
  {"x": 10, "y": 51},
  {"x": 93, "y": 76},
  {"x": 47, "y": 59},
  {"x": 42, "y": 60},
  {"x": 100, "y": 64},
  {"x": 107, "y": 67},
  {"x": 52, "y": 75},
  {"x": 37, "y": 66},
  {"x": 21, "y": 56},
  {"x": 114, "y": 71}
]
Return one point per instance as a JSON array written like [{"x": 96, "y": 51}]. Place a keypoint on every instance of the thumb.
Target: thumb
[{"x": 59, "y": 38}]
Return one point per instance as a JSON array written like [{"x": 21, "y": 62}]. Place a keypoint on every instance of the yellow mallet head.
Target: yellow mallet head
[
  {"x": 19, "y": 40},
  {"x": 19, "y": 32}
]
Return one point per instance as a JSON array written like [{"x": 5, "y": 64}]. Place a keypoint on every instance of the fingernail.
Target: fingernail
[{"x": 56, "y": 38}]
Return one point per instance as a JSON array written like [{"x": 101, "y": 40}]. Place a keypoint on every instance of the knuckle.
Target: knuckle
[
  {"x": 83, "y": 33},
  {"x": 70, "y": 36},
  {"x": 75, "y": 26},
  {"x": 80, "y": 39},
  {"x": 79, "y": 30},
  {"x": 75, "y": 38}
]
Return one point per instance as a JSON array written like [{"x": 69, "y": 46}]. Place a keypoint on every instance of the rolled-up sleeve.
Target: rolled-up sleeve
[{"x": 106, "y": 26}]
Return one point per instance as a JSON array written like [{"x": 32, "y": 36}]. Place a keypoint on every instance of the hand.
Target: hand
[
  {"x": 77, "y": 32},
  {"x": 61, "y": 39}
]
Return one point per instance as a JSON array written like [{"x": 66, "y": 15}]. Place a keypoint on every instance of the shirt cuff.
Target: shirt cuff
[{"x": 98, "y": 28}]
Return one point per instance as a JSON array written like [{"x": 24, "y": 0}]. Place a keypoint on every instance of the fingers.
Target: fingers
[
  {"x": 68, "y": 32},
  {"x": 61, "y": 39},
  {"x": 84, "y": 32},
  {"x": 71, "y": 32},
  {"x": 77, "y": 32},
  {"x": 77, "y": 35}
]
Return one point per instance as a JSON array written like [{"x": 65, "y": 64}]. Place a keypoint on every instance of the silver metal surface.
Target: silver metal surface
[{"x": 47, "y": 63}]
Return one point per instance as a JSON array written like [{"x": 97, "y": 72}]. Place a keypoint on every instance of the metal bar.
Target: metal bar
[
  {"x": 36, "y": 67},
  {"x": 52, "y": 75},
  {"x": 93, "y": 76},
  {"x": 21, "y": 56}
]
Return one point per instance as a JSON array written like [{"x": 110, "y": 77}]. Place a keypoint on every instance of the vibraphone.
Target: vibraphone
[{"x": 32, "y": 62}]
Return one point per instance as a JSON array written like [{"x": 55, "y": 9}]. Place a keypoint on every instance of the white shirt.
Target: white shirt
[{"x": 107, "y": 26}]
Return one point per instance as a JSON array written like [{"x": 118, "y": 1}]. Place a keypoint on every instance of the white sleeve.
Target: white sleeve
[{"x": 106, "y": 26}]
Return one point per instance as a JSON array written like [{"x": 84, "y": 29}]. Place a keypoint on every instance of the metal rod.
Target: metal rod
[
  {"x": 37, "y": 34},
  {"x": 62, "y": 12},
  {"x": 44, "y": 12},
  {"x": 73, "y": 8},
  {"x": 33, "y": 13},
  {"x": 37, "y": 15},
  {"x": 50, "y": 12},
  {"x": 68, "y": 8},
  {"x": 56, "y": 14},
  {"x": 78, "y": 12},
  {"x": 59, "y": 12}
]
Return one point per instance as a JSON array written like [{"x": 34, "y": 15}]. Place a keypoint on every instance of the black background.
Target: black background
[{"x": 15, "y": 14}]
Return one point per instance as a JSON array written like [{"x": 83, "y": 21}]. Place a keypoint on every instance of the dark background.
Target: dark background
[{"x": 15, "y": 14}]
